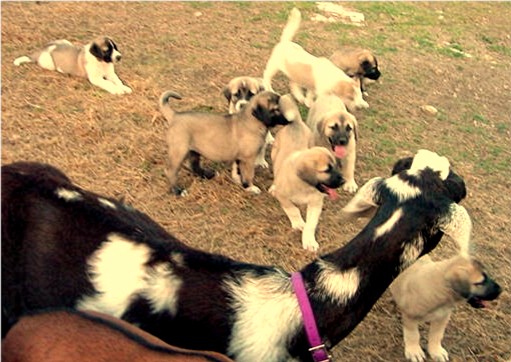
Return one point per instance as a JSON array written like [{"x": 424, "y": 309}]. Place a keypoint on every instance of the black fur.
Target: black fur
[
  {"x": 46, "y": 242},
  {"x": 104, "y": 55}
]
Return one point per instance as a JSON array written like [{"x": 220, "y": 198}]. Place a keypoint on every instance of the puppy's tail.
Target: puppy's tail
[
  {"x": 21, "y": 60},
  {"x": 165, "y": 106},
  {"x": 289, "y": 108},
  {"x": 292, "y": 25}
]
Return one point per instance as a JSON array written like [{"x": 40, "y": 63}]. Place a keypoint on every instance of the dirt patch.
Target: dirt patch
[{"x": 114, "y": 145}]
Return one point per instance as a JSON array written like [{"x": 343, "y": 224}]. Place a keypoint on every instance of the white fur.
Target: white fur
[
  {"x": 21, "y": 60},
  {"x": 458, "y": 225},
  {"x": 338, "y": 285},
  {"x": 45, "y": 59},
  {"x": 162, "y": 289},
  {"x": 426, "y": 158},
  {"x": 411, "y": 251},
  {"x": 364, "y": 199},
  {"x": 389, "y": 224},
  {"x": 263, "y": 339},
  {"x": 117, "y": 271},
  {"x": 103, "y": 75},
  {"x": 402, "y": 189},
  {"x": 107, "y": 203},
  {"x": 309, "y": 228},
  {"x": 68, "y": 195}
]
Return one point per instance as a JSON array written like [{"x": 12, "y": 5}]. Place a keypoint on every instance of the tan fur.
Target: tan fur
[
  {"x": 297, "y": 169},
  {"x": 63, "y": 336},
  {"x": 351, "y": 61},
  {"x": 329, "y": 111},
  {"x": 229, "y": 138},
  {"x": 429, "y": 291}
]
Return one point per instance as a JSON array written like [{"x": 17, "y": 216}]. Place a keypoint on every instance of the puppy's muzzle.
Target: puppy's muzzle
[
  {"x": 334, "y": 181},
  {"x": 373, "y": 74},
  {"x": 491, "y": 291}
]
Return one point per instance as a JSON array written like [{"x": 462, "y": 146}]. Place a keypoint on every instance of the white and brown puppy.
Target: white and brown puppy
[
  {"x": 303, "y": 175},
  {"x": 234, "y": 137},
  {"x": 429, "y": 291},
  {"x": 304, "y": 70},
  {"x": 358, "y": 63},
  {"x": 335, "y": 128},
  {"x": 238, "y": 92},
  {"x": 94, "y": 61}
]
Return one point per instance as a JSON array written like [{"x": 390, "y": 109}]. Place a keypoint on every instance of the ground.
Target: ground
[{"x": 453, "y": 56}]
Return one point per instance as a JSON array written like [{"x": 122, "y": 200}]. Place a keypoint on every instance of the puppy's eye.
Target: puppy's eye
[
  {"x": 250, "y": 94},
  {"x": 348, "y": 128},
  {"x": 334, "y": 126},
  {"x": 482, "y": 282},
  {"x": 237, "y": 94},
  {"x": 328, "y": 169}
]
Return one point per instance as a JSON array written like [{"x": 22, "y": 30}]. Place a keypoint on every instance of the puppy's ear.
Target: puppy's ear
[
  {"x": 402, "y": 164},
  {"x": 355, "y": 126},
  {"x": 227, "y": 93},
  {"x": 95, "y": 50},
  {"x": 457, "y": 277},
  {"x": 306, "y": 173}
]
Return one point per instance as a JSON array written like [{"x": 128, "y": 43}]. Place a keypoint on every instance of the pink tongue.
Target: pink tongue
[
  {"x": 340, "y": 151},
  {"x": 332, "y": 194}
]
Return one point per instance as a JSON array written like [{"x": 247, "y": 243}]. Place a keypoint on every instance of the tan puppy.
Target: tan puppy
[
  {"x": 304, "y": 70},
  {"x": 335, "y": 128},
  {"x": 94, "y": 61},
  {"x": 238, "y": 92},
  {"x": 429, "y": 291},
  {"x": 230, "y": 138},
  {"x": 357, "y": 63},
  {"x": 302, "y": 175}
]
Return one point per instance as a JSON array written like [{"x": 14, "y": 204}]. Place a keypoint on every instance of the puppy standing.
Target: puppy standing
[
  {"x": 304, "y": 70},
  {"x": 94, "y": 61},
  {"x": 357, "y": 63},
  {"x": 238, "y": 92},
  {"x": 335, "y": 128},
  {"x": 429, "y": 291},
  {"x": 230, "y": 138},
  {"x": 303, "y": 175}
]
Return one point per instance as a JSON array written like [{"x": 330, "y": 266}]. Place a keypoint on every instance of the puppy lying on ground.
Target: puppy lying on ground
[
  {"x": 238, "y": 92},
  {"x": 71, "y": 335},
  {"x": 357, "y": 63},
  {"x": 304, "y": 70},
  {"x": 335, "y": 128},
  {"x": 94, "y": 61},
  {"x": 302, "y": 175},
  {"x": 429, "y": 291},
  {"x": 116, "y": 260},
  {"x": 236, "y": 137}
]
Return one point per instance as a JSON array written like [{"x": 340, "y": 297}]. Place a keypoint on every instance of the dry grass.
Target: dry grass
[{"x": 114, "y": 144}]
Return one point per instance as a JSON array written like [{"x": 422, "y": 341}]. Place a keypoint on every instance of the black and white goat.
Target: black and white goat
[{"x": 63, "y": 246}]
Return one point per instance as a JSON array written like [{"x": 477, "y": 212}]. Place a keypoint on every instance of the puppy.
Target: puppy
[
  {"x": 429, "y": 291},
  {"x": 335, "y": 128},
  {"x": 236, "y": 137},
  {"x": 94, "y": 61},
  {"x": 304, "y": 70},
  {"x": 238, "y": 92},
  {"x": 357, "y": 63},
  {"x": 303, "y": 175}
]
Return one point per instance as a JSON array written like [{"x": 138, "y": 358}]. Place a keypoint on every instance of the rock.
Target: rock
[{"x": 429, "y": 110}]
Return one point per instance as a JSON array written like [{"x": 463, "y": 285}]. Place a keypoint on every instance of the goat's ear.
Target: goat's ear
[
  {"x": 458, "y": 225},
  {"x": 365, "y": 201}
]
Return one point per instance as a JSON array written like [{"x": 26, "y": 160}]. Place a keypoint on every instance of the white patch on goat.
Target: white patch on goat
[
  {"x": 389, "y": 224},
  {"x": 68, "y": 195},
  {"x": 178, "y": 258},
  {"x": 411, "y": 251},
  {"x": 266, "y": 316},
  {"x": 340, "y": 285},
  {"x": 107, "y": 203},
  {"x": 117, "y": 272},
  {"x": 402, "y": 189},
  {"x": 458, "y": 225},
  {"x": 425, "y": 158},
  {"x": 162, "y": 289}
]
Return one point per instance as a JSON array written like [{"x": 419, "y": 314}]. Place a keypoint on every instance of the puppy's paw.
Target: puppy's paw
[
  {"x": 415, "y": 354},
  {"x": 269, "y": 138},
  {"x": 298, "y": 224},
  {"x": 350, "y": 186},
  {"x": 438, "y": 354},
  {"x": 253, "y": 189},
  {"x": 126, "y": 90},
  {"x": 310, "y": 244},
  {"x": 262, "y": 163}
]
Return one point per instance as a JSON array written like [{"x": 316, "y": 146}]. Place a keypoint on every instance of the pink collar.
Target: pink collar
[{"x": 318, "y": 350}]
